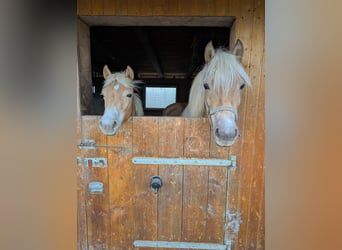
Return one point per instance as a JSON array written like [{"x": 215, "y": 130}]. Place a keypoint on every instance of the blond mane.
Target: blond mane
[{"x": 223, "y": 70}]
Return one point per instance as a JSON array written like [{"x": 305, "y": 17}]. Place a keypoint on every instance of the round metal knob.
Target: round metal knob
[{"x": 156, "y": 183}]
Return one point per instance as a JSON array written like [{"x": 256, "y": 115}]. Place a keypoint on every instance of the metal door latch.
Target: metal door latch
[{"x": 156, "y": 183}]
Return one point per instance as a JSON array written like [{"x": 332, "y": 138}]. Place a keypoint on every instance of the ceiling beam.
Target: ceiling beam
[{"x": 150, "y": 52}]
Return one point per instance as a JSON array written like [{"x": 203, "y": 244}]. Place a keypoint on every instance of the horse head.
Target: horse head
[
  {"x": 223, "y": 79},
  {"x": 118, "y": 94}
]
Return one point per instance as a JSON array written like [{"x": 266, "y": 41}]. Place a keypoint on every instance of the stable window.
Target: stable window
[
  {"x": 159, "y": 97},
  {"x": 165, "y": 53}
]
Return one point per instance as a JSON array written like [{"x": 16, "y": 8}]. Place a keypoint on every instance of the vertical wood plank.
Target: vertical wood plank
[
  {"x": 170, "y": 144},
  {"x": 145, "y": 144},
  {"x": 256, "y": 189},
  {"x": 218, "y": 181},
  {"x": 97, "y": 206},
  {"x": 121, "y": 8},
  {"x": 120, "y": 179},
  {"x": 81, "y": 184},
  {"x": 84, "y": 66},
  {"x": 244, "y": 30},
  {"x": 195, "y": 184}
]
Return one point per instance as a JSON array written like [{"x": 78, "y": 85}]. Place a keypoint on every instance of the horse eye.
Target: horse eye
[
  {"x": 206, "y": 86},
  {"x": 242, "y": 86},
  {"x": 129, "y": 95},
  {"x": 101, "y": 95}
]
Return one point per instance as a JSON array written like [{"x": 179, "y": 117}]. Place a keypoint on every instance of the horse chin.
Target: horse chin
[
  {"x": 110, "y": 132},
  {"x": 224, "y": 143}
]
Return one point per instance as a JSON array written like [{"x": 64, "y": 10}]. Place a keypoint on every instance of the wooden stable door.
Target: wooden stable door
[{"x": 118, "y": 209}]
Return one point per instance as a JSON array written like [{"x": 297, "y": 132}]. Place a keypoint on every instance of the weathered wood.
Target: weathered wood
[
  {"x": 255, "y": 219},
  {"x": 171, "y": 132},
  {"x": 145, "y": 141},
  {"x": 82, "y": 229},
  {"x": 121, "y": 192},
  {"x": 245, "y": 27},
  {"x": 217, "y": 197},
  {"x": 84, "y": 66},
  {"x": 97, "y": 206},
  {"x": 195, "y": 187}
]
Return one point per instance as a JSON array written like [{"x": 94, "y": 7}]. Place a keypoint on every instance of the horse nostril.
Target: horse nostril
[
  {"x": 217, "y": 132},
  {"x": 114, "y": 124}
]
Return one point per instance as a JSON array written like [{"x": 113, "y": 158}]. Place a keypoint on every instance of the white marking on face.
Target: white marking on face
[{"x": 116, "y": 87}]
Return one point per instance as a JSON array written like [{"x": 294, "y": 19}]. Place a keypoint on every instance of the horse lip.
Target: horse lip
[
  {"x": 109, "y": 132},
  {"x": 225, "y": 143}
]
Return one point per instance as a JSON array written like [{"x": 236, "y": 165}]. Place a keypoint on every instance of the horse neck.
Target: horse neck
[
  {"x": 195, "y": 107},
  {"x": 137, "y": 106}
]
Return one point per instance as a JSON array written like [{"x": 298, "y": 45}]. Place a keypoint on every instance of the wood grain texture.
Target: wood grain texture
[
  {"x": 145, "y": 144},
  {"x": 246, "y": 28},
  {"x": 120, "y": 179},
  {"x": 171, "y": 132},
  {"x": 81, "y": 184},
  {"x": 218, "y": 181},
  {"x": 84, "y": 65},
  {"x": 195, "y": 187},
  {"x": 256, "y": 182},
  {"x": 97, "y": 206}
]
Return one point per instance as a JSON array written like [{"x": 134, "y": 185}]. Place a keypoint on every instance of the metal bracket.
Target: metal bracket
[
  {"x": 92, "y": 162},
  {"x": 87, "y": 144},
  {"x": 186, "y": 161},
  {"x": 96, "y": 187}
]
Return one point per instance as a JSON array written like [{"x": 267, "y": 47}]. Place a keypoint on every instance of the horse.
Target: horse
[
  {"x": 174, "y": 109},
  {"x": 215, "y": 92},
  {"x": 120, "y": 100}
]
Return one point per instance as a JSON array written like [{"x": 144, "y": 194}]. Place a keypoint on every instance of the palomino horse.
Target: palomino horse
[
  {"x": 215, "y": 91},
  {"x": 120, "y": 100}
]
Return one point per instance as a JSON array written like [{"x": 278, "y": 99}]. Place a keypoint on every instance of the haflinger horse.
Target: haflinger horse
[
  {"x": 215, "y": 92},
  {"x": 120, "y": 100}
]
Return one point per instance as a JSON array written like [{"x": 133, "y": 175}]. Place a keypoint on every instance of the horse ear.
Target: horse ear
[
  {"x": 106, "y": 72},
  {"x": 209, "y": 52},
  {"x": 238, "y": 49},
  {"x": 129, "y": 72}
]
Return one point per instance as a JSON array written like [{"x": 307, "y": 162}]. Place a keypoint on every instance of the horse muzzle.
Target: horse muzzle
[
  {"x": 109, "y": 123},
  {"x": 226, "y": 138},
  {"x": 223, "y": 122}
]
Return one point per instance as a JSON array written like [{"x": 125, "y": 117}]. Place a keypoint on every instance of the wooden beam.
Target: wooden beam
[{"x": 150, "y": 52}]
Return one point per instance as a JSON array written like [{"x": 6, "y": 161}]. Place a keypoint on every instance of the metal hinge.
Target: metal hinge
[
  {"x": 92, "y": 162},
  {"x": 87, "y": 144}
]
